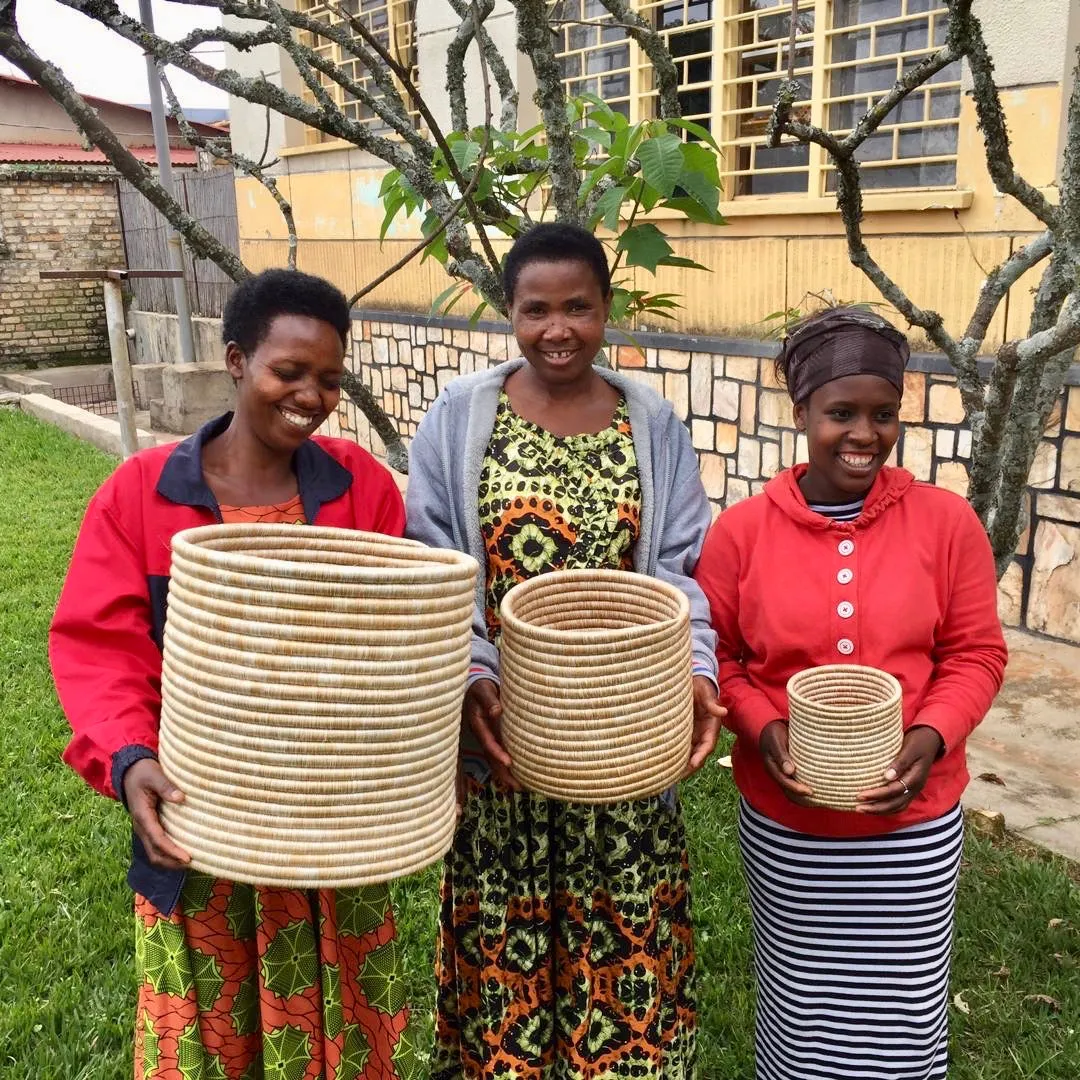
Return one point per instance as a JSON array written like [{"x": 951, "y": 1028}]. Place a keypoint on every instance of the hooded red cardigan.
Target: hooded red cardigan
[{"x": 908, "y": 587}]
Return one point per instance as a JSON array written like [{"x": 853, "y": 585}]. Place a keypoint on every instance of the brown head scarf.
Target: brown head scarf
[{"x": 838, "y": 342}]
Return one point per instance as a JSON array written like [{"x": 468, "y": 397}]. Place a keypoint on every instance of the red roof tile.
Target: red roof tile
[{"x": 48, "y": 152}]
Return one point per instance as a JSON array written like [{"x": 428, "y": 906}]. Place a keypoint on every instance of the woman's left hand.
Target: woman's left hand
[
  {"x": 906, "y": 776},
  {"x": 708, "y": 713}
]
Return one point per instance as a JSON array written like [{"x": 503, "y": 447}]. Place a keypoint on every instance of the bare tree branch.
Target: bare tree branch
[
  {"x": 223, "y": 152},
  {"x": 534, "y": 40},
  {"x": 965, "y": 32},
  {"x": 455, "y": 61},
  {"x": 655, "y": 48}
]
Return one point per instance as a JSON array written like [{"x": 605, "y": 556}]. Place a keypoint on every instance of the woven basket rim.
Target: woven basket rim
[
  {"x": 568, "y": 582},
  {"x": 431, "y": 563}
]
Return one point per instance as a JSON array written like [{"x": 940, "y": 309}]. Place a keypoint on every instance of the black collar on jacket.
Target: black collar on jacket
[{"x": 319, "y": 477}]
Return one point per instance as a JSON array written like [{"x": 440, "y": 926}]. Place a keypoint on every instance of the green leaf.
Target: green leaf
[
  {"x": 595, "y": 135},
  {"x": 474, "y": 318},
  {"x": 700, "y": 177},
  {"x": 389, "y": 182},
  {"x": 645, "y": 245},
  {"x": 678, "y": 260},
  {"x": 695, "y": 129},
  {"x": 694, "y": 210},
  {"x": 437, "y": 248},
  {"x": 607, "y": 208},
  {"x": 661, "y": 162},
  {"x": 610, "y": 167},
  {"x": 465, "y": 153},
  {"x": 620, "y": 300},
  {"x": 437, "y": 303}
]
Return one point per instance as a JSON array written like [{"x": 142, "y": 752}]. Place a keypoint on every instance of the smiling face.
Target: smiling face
[
  {"x": 851, "y": 426},
  {"x": 559, "y": 314},
  {"x": 290, "y": 383}
]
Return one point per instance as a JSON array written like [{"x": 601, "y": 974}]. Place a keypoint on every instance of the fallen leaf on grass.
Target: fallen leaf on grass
[
  {"x": 992, "y": 778},
  {"x": 1002, "y": 972},
  {"x": 1053, "y": 924},
  {"x": 724, "y": 762},
  {"x": 959, "y": 1002},
  {"x": 1044, "y": 999}
]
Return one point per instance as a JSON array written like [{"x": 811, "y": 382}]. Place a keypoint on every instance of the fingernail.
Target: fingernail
[{"x": 890, "y": 774}]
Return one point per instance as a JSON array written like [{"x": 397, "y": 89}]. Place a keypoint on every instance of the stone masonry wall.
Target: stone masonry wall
[
  {"x": 740, "y": 423},
  {"x": 55, "y": 222}
]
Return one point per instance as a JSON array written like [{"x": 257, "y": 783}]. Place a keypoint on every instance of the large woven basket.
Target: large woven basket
[
  {"x": 311, "y": 700},
  {"x": 596, "y": 688},
  {"x": 845, "y": 727}
]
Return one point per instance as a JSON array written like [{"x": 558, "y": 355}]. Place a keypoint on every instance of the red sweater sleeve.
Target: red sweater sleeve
[
  {"x": 969, "y": 649},
  {"x": 718, "y": 573},
  {"x": 105, "y": 664}
]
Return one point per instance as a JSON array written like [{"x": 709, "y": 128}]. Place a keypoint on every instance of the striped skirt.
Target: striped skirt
[{"x": 852, "y": 938}]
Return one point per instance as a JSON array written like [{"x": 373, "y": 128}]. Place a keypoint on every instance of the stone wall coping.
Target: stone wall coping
[{"x": 930, "y": 363}]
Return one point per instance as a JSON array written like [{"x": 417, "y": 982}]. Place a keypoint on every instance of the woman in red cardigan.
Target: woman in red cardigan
[{"x": 846, "y": 560}]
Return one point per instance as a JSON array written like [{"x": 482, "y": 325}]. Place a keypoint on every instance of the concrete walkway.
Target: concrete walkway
[{"x": 1031, "y": 741}]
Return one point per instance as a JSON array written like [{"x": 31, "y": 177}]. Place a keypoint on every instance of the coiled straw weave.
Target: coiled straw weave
[
  {"x": 845, "y": 727},
  {"x": 596, "y": 688},
  {"x": 311, "y": 701}
]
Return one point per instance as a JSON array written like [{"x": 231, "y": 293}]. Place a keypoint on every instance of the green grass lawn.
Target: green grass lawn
[{"x": 66, "y": 982}]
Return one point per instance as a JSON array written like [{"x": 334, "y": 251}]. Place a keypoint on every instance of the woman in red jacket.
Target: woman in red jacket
[
  {"x": 845, "y": 560},
  {"x": 234, "y": 980}
]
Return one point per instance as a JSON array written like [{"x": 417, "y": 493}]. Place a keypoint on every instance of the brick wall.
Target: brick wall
[
  {"x": 53, "y": 221},
  {"x": 740, "y": 424}
]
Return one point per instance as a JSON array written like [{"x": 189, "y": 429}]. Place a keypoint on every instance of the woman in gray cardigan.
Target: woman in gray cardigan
[{"x": 565, "y": 941}]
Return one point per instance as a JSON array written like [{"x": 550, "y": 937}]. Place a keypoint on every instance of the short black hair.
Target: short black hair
[
  {"x": 555, "y": 241},
  {"x": 259, "y": 299}
]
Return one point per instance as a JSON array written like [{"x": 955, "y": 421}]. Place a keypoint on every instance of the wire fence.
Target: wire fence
[
  {"x": 210, "y": 198},
  {"x": 97, "y": 398}
]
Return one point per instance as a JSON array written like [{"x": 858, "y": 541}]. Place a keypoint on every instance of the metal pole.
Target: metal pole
[
  {"x": 164, "y": 160},
  {"x": 121, "y": 366}
]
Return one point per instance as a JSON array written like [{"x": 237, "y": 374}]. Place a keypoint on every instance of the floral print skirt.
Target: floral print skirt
[
  {"x": 566, "y": 950},
  {"x": 244, "y": 982}
]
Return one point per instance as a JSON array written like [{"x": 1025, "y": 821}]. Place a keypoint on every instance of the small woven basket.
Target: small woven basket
[
  {"x": 845, "y": 724},
  {"x": 596, "y": 688},
  {"x": 311, "y": 699}
]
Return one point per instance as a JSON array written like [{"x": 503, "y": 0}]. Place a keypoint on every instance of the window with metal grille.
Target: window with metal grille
[
  {"x": 393, "y": 24},
  {"x": 732, "y": 56}
]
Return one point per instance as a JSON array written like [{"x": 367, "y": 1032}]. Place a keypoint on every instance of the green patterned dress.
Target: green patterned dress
[{"x": 565, "y": 948}]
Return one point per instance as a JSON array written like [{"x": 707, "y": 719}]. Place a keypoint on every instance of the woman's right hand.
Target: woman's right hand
[
  {"x": 773, "y": 745},
  {"x": 482, "y": 711},
  {"x": 145, "y": 786}
]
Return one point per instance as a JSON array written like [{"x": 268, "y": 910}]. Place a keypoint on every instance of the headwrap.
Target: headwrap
[{"x": 844, "y": 341}]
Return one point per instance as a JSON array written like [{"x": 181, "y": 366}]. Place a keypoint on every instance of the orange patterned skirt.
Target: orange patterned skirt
[{"x": 242, "y": 982}]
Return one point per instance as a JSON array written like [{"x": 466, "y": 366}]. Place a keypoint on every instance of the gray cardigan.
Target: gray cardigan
[{"x": 447, "y": 455}]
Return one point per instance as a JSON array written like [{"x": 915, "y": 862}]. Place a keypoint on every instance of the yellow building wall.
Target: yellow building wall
[{"x": 939, "y": 246}]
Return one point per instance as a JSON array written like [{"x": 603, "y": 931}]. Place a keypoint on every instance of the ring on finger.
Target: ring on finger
[{"x": 907, "y": 790}]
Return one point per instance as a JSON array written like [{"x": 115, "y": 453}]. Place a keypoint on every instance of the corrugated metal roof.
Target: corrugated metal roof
[{"x": 58, "y": 152}]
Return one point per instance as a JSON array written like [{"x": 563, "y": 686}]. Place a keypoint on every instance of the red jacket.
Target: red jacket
[
  {"x": 106, "y": 636},
  {"x": 920, "y": 602}
]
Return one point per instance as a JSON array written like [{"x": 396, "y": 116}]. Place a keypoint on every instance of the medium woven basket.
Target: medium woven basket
[
  {"x": 596, "y": 684},
  {"x": 311, "y": 700},
  {"x": 845, "y": 727}
]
